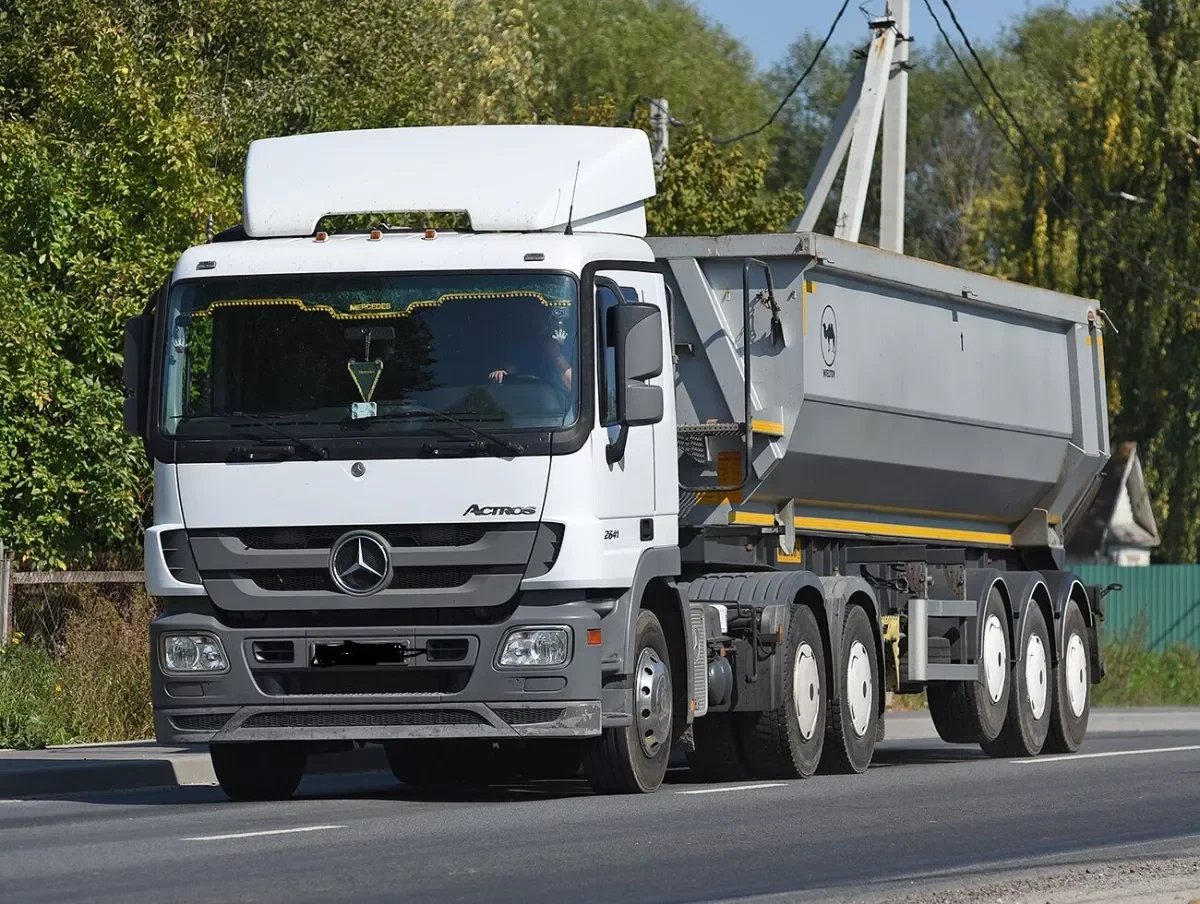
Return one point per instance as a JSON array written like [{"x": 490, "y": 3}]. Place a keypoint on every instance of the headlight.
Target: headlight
[
  {"x": 535, "y": 648},
  {"x": 191, "y": 654}
]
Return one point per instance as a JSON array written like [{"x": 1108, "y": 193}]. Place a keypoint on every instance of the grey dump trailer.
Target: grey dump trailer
[
  {"x": 899, "y": 437},
  {"x": 548, "y": 494}
]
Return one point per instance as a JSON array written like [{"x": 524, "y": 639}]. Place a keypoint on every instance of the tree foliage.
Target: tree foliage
[{"x": 124, "y": 125}]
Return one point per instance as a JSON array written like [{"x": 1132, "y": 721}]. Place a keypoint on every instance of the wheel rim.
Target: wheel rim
[
  {"x": 995, "y": 657},
  {"x": 1035, "y": 675},
  {"x": 653, "y": 702},
  {"x": 1077, "y": 668},
  {"x": 806, "y": 690},
  {"x": 858, "y": 688}
]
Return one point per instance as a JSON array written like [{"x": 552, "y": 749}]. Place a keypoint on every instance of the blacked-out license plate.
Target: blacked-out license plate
[{"x": 357, "y": 652}]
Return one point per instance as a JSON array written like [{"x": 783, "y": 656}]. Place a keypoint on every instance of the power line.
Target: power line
[
  {"x": 1115, "y": 242},
  {"x": 652, "y": 102},
  {"x": 1016, "y": 149},
  {"x": 795, "y": 87}
]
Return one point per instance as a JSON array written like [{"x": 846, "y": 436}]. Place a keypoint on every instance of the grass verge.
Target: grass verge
[{"x": 95, "y": 688}]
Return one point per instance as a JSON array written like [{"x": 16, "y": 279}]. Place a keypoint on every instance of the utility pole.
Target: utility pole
[
  {"x": 878, "y": 96},
  {"x": 895, "y": 136},
  {"x": 660, "y": 121}
]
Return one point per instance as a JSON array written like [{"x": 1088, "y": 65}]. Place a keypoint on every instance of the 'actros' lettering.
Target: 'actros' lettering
[{"x": 490, "y": 511}]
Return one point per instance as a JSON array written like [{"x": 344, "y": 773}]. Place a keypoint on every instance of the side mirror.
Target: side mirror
[
  {"x": 636, "y": 333},
  {"x": 138, "y": 332}
]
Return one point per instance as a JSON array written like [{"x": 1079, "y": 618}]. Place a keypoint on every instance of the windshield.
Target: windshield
[{"x": 323, "y": 355}]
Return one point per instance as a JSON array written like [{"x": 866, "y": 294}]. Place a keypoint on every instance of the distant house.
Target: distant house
[{"x": 1119, "y": 528}]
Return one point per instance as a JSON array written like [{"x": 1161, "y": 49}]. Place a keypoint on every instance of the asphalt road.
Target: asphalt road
[{"x": 925, "y": 812}]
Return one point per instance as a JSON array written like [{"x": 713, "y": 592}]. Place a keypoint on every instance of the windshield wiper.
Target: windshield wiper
[
  {"x": 420, "y": 411},
  {"x": 316, "y": 452}
]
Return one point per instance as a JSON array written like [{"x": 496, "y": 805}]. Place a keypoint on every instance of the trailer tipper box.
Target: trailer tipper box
[{"x": 545, "y": 493}]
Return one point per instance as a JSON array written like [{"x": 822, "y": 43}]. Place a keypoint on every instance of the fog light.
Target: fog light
[
  {"x": 535, "y": 648},
  {"x": 190, "y": 654}
]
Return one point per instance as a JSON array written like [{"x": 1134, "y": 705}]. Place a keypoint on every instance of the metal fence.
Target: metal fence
[
  {"x": 1164, "y": 599},
  {"x": 38, "y": 604}
]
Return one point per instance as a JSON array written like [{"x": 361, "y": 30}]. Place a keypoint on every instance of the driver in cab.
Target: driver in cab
[{"x": 556, "y": 343}]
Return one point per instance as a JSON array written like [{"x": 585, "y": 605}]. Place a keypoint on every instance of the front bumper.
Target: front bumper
[{"x": 464, "y": 697}]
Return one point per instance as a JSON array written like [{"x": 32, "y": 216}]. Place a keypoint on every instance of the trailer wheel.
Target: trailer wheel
[
  {"x": 1072, "y": 687},
  {"x": 1028, "y": 721},
  {"x": 258, "y": 770},
  {"x": 788, "y": 742},
  {"x": 970, "y": 712},
  {"x": 852, "y": 724},
  {"x": 634, "y": 759},
  {"x": 718, "y": 755}
]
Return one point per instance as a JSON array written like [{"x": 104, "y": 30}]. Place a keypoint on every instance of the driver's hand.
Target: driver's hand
[
  {"x": 497, "y": 376},
  {"x": 566, "y": 378}
]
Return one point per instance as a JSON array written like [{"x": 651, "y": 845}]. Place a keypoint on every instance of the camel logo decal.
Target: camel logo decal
[{"x": 828, "y": 336}]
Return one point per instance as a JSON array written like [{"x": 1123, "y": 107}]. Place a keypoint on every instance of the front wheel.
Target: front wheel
[
  {"x": 262, "y": 770},
  {"x": 633, "y": 759}
]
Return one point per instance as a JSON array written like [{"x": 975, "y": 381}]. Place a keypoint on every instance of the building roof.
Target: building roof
[{"x": 1121, "y": 513}]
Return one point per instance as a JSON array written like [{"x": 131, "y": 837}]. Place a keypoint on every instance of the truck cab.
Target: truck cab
[{"x": 403, "y": 477}]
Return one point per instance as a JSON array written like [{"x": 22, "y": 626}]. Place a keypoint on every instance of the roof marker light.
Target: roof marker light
[
  {"x": 321, "y": 236},
  {"x": 430, "y": 234},
  {"x": 375, "y": 235}
]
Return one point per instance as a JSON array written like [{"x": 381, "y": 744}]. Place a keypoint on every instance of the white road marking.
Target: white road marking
[
  {"x": 1066, "y": 758},
  {"x": 261, "y": 834},
  {"x": 734, "y": 788}
]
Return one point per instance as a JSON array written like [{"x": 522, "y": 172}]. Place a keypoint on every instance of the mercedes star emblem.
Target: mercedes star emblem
[{"x": 360, "y": 564}]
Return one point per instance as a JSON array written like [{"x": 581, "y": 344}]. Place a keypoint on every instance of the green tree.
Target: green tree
[
  {"x": 1132, "y": 114},
  {"x": 123, "y": 127},
  {"x": 627, "y": 49}
]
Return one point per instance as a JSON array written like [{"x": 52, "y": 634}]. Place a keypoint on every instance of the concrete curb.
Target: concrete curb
[{"x": 100, "y": 770}]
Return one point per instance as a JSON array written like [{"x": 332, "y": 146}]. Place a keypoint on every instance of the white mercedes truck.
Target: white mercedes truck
[{"x": 544, "y": 495}]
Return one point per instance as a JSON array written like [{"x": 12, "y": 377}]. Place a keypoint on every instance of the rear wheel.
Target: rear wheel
[
  {"x": 970, "y": 712},
  {"x": 788, "y": 742},
  {"x": 852, "y": 723},
  {"x": 633, "y": 759},
  {"x": 1028, "y": 721},
  {"x": 1072, "y": 687},
  {"x": 260, "y": 770}
]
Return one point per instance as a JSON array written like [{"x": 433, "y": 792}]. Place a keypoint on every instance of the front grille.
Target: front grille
[
  {"x": 312, "y": 580},
  {"x": 529, "y": 716},
  {"x": 403, "y": 536},
  {"x": 334, "y": 682},
  {"x": 200, "y": 722},
  {"x": 364, "y": 719}
]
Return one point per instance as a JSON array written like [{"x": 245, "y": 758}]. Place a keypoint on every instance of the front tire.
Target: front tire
[
  {"x": 788, "y": 742},
  {"x": 260, "y": 770},
  {"x": 853, "y": 722},
  {"x": 634, "y": 759},
  {"x": 1072, "y": 686},
  {"x": 1028, "y": 721}
]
